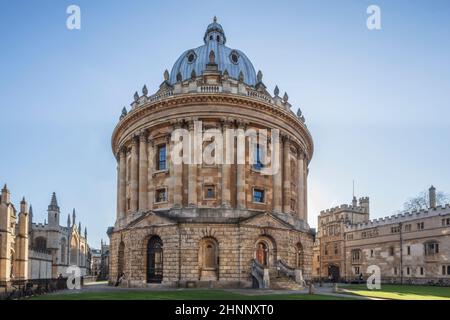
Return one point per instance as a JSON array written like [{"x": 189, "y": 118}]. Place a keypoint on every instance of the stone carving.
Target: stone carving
[
  {"x": 124, "y": 113},
  {"x": 299, "y": 113},
  {"x": 276, "y": 91},
  {"x": 179, "y": 77},
  {"x": 144, "y": 90},
  {"x": 259, "y": 76},
  {"x": 136, "y": 97},
  {"x": 166, "y": 75},
  {"x": 285, "y": 97},
  {"x": 193, "y": 74},
  {"x": 241, "y": 76}
]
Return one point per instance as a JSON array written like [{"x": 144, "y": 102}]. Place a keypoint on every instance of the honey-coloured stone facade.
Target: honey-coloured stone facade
[{"x": 220, "y": 223}]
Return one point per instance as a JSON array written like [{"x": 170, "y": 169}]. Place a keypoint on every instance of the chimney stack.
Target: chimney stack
[{"x": 432, "y": 197}]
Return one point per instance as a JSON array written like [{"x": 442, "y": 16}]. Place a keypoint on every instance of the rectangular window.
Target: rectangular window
[
  {"x": 356, "y": 270},
  {"x": 420, "y": 226},
  {"x": 258, "y": 195},
  {"x": 162, "y": 157},
  {"x": 161, "y": 195},
  {"x": 421, "y": 271},
  {"x": 407, "y": 227},
  {"x": 448, "y": 269},
  {"x": 371, "y": 253},
  {"x": 443, "y": 270},
  {"x": 407, "y": 271},
  {"x": 408, "y": 250},
  {"x": 259, "y": 155},
  {"x": 336, "y": 249},
  {"x": 210, "y": 192},
  {"x": 395, "y": 270}
]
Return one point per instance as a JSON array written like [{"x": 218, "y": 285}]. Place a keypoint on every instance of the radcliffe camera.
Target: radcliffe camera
[{"x": 238, "y": 158}]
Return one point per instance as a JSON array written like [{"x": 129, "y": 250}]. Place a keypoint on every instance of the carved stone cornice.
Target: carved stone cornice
[{"x": 232, "y": 100}]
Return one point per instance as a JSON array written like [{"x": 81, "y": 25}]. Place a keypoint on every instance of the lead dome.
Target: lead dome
[{"x": 234, "y": 61}]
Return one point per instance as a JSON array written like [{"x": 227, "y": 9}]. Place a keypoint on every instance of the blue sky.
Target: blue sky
[{"x": 376, "y": 102}]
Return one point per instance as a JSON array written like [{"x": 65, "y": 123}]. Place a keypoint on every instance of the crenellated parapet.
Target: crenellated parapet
[{"x": 399, "y": 218}]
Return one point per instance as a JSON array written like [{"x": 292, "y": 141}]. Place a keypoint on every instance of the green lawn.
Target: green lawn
[
  {"x": 400, "y": 292},
  {"x": 180, "y": 295}
]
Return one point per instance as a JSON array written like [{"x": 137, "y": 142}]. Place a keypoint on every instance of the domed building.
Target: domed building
[{"x": 236, "y": 221}]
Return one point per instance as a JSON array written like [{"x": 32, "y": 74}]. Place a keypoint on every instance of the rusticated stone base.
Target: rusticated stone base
[{"x": 185, "y": 248}]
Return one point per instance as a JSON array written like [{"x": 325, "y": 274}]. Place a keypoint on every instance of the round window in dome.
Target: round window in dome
[
  {"x": 191, "y": 56},
  {"x": 234, "y": 57}
]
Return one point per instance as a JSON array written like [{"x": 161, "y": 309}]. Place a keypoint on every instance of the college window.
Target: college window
[
  {"x": 421, "y": 271},
  {"x": 356, "y": 270},
  {"x": 161, "y": 195},
  {"x": 258, "y": 195},
  {"x": 420, "y": 226},
  {"x": 210, "y": 192},
  {"x": 356, "y": 255},
  {"x": 336, "y": 249},
  {"x": 161, "y": 164},
  {"x": 371, "y": 253},
  {"x": 408, "y": 271},
  {"x": 431, "y": 248},
  {"x": 446, "y": 222},
  {"x": 350, "y": 237},
  {"x": 395, "y": 229},
  {"x": 395, "y": 270},
  {"x": 407, "y": 227},
  {"x": 446, "y": 270},
  {"x": 408, "y": 250}
]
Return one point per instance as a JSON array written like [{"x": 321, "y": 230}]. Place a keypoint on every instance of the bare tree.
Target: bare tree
[{"x": 422, "y": 201}]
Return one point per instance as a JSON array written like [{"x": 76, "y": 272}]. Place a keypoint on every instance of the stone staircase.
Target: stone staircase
[{"x": 283, "y": 282}]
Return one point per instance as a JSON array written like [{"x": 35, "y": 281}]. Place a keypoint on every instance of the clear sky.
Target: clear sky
[{"x": 376, "y": 102}]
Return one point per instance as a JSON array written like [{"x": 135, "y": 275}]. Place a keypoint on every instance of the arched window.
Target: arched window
[
  {"x": 74, "y": 251},
  {"x": 155, "y": 260},
  {"x": 120, "y": 258},
  {"x": 63, "y": 250},
  {"x": 40, "y": 244}
]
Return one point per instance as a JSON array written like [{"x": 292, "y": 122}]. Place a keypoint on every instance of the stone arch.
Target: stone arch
[
  {"x": 121, "y": 259},
  {"x": 155, "y": 255},
  {"x": 265, "y": 251},
  {"x": 299, "y": 256},
  {"x": 208, "y": 258}
]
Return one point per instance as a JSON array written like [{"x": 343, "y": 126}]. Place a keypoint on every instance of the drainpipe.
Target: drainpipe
[{"x": 401, "y": 252}]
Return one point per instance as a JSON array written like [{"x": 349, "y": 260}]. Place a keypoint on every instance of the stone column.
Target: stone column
[
  {"x": 226, "y": 166},
  {"x": 301, "y": 185},
  {"x": 143, "y": 171},
  {"x": 192, "y": 167},
  {"x": 177, "y": 175},
  {"x": 122, "y": 194},
  {"x": 286, "y": 175},
  {"x": 240, "y": 168},
  {"x": 150, "y": 168},
  {"x": 277, "y": 181},
  {"x": 305, "y": 189},
  {"x": 134, "y": 183}
]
